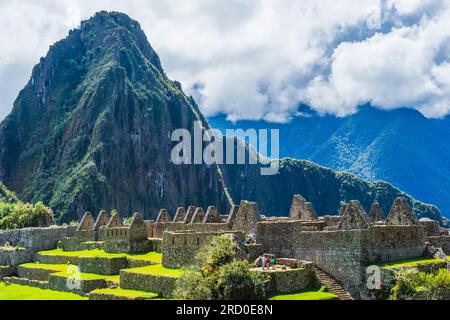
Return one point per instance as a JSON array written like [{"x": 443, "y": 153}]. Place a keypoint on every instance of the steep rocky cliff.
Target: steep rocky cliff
[{"x": 90, "y": 130}]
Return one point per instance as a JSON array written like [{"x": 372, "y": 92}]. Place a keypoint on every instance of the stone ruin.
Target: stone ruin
[
  {"x": 353, "y": 217},
  {"x": 212, "y": 215},
  {"x": 163, "y": 216},
  {"x": 180, "y": 215},
  {"x": 109, "y": 233},
  {"x": 376, "y": 213},
  {"x": 401, "y": 214},
  {"x": 199, "y": 216},
  {"x": 302, "y": 210}
]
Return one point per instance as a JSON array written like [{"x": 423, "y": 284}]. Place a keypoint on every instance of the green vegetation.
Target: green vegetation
[
  {"x": 16, "y": 292},
  {"x": 50, "y": 267},
  {"x": 157, "y": 270},
  {"x": 126, "y": 294},
  {"x": 19, "y": 215},
  {"x": 421, "y": 261},
  {"x": 307, "y": 294},
  {"x": 153, "y": 257},
  {"x": 411, "y": 284},
  {"x": 88, "y": 276},
  {"x": 219, "y": 276}
]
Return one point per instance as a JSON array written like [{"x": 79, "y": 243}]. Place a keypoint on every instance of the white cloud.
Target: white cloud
[{"x": 260, "y": 59}]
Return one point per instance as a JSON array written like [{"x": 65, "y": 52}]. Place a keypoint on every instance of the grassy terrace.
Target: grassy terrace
[
  {"x": 411, "y": 262},
  {"x": 66, "y": 270},
  {"x": 126, "y": 294},
  {"x": 307, "y": 294},
  {"x": 16, "y": 292},
  {"x": 154, "y": 257},
  {"x": 156, "y": 270}
]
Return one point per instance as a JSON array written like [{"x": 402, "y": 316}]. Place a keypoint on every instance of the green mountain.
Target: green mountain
[
  {"x": 91, "y": 131},
  {"x": 400, "y": 146}
]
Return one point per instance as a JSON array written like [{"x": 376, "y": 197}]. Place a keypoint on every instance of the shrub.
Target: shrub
[
  {"x": 193, "y": 286},
  {"x": 218, "y": 275},
  {"x": 236, "y": 282},
  {"x": 220, "y": 250},
  {"x": 409, "y": 283},
  {"x": 19, "y": 215}
]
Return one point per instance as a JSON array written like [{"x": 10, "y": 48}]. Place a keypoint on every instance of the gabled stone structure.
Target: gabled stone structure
[
  {"x": 189, "y": 214},
  {"x": 115, "y": 221},
  {"x": 401, "y": 214},
  {"x": 376, "y": 213},
  {"x": 87, "y": 222},
  {"x": 353, "y": 217},
  {"x": 138, "y": 229},
  {"x": 163, "y": 216},
  {"x": 302, "y": 210},
  {"x": 247, "y": 217},
  {"x": 180, "y": 215},
  {"x": 212, "y": 215},
  {"x": 232, "y": 215},
  {"x": 102, "y": 220},
  {"x": 199, "y": 216}
]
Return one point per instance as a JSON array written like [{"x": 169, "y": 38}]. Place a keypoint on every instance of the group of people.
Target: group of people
[{"x": 266, "y": 263}]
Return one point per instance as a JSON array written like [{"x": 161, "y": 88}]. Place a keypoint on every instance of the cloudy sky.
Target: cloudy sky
[{"x": 259, "y": 59}]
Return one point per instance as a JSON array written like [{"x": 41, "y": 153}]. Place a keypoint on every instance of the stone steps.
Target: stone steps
[{"x": 332, "y": 285}]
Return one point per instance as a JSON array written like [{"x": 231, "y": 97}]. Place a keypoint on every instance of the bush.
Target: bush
[
  {"x": 218, "y": 275},
  {"x": 409, "y": 283},
  {"x": 19, "y": 215},
  {"x": 220, "y": 251},
  {"x": 193, "y": 286},
  {"x": 236, "y": 282}
]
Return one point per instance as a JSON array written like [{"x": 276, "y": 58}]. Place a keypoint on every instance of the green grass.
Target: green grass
[
  {"x": 307, "y": 294},
  {"x": 149, "y": 256},
  {"x": 16, "y": 292},
  {"x": 84, "y": 253},
  {"x": 410, "y": 263},
  {"x": 154, "y": 257},
  {"x": 89, "y": 276},
  {"x": 132, "y": 294},
  {"x": 157, "y": 270},
  {"x": 63, "y": 270}
]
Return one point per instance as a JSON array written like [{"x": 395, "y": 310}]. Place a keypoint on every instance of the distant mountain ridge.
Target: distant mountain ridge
[
  {"x": 91, "y": 129},
  {"x": 399, "y": 146}
]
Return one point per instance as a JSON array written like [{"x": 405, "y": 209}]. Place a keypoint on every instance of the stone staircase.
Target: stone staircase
[{"x": 334, "y": 286}]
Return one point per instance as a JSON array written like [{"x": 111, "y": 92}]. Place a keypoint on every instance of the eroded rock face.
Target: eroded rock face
[
  {"x": 302, "y": 210},
  {"x": 353, "y": 217},
  {"x": 376, "y": 213},
  {"x": 401, "y": 214}
]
